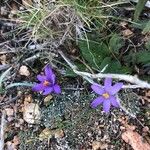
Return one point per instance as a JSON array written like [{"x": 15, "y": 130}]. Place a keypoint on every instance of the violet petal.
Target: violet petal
[
  {"x": 97, "y": 89},
  {"x": 47, "y": 90},
  {"x": 107, "y": 84},
  {"x": 114, "y": 89},
  {"x": 106, "y": 105},
  {"x": 49, "y": 74},
  {"x": 114, "y": 101},
  {"x": 57, "y": 89},
  {"x": 97, "y": 102},
  {"x": 38, "y": 87},
  {"x": 41, "y": 78}
]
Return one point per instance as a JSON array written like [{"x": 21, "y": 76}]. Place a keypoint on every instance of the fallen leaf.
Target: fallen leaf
[
  {"x": 135, "y": 140},
  {"x": 31, "y": 113},
  {"x": 24, "y": 71},
  {"x": 127, "y": 33},
  {"x": 47, "y": 134},
  {"x": 47, "y": 99}
]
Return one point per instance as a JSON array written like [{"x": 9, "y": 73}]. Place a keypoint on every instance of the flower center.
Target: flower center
[
  {"x": 46, "y": 83},
  {"x": 105, "y": 95}
]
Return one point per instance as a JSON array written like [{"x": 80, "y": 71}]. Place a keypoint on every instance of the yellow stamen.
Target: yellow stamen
[
  {"x": 105, "y": 95},
  {"x": 46, "y": 83}
]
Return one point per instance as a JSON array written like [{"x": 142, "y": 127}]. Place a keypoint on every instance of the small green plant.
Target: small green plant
[
  {"x": 99, "y": 54},
  {"x": 141, "y": 57}
]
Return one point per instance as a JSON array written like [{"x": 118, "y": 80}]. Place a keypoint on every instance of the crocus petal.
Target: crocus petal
[
  {"x": 114, "y": 89},
  {"x": 107, "y": 84},
  {"x": 38, "y": 87},
  {"x": 47, "y": 90},
  {"x": 97, "y": 89},
  {"x": 97, "y": 102},
  {"x": 106, "y": 105},
  {"x": 114, "y": 101},
  {"x": 57, "y": 89},
  {"x": 49, "y": 74},
  {"x": 41, "y": 78}
]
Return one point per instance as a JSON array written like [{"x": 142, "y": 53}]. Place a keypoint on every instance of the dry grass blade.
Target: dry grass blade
[{"x": 2, "y": 131}]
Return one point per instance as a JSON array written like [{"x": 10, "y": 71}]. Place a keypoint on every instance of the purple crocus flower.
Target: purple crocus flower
[
  {"x": 107, "y": 94},
  {"x": 47, "y": 82}
]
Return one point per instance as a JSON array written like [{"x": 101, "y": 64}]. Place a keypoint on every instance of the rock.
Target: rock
[
  {"x": 24, "y": 71},
  {"x": 31, "y": 113}
]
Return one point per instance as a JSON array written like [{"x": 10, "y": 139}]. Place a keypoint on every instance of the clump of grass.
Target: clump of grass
[
  {"x": 63, "y": 19},
  {"x": 50, "y": 21}
]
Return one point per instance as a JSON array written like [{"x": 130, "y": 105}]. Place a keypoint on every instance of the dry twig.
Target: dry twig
[
  {"x": 2, "y": 130},
  {"x": 88, "y": 76}
]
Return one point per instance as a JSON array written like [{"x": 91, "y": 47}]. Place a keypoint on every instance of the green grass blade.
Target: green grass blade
[
  {"x": 19, "y": 84},
  {"x": 147, "y": 28},
  {"x": 139, "y": 7}
]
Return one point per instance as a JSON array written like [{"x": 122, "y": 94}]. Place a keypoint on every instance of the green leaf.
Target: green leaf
[
  {"x": 115, "y": 43},
  {"x": 19, "y": 84},
  {"x": 93, "y": 52},
  {"x": 140, "y": 24},
  {"x": 143, "y": 57},
  {"x": 70, "y": 73},
  {"x": 145, "y": 78},
  {"x": 106, "y": 61},
  {"x": 147, "y": 28},
  {"x": 147, "y": 45},
  {"x": 125, "y": 70},
  {"x": 113, "y": 67},
  {"x": 139, "y": 7}
]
